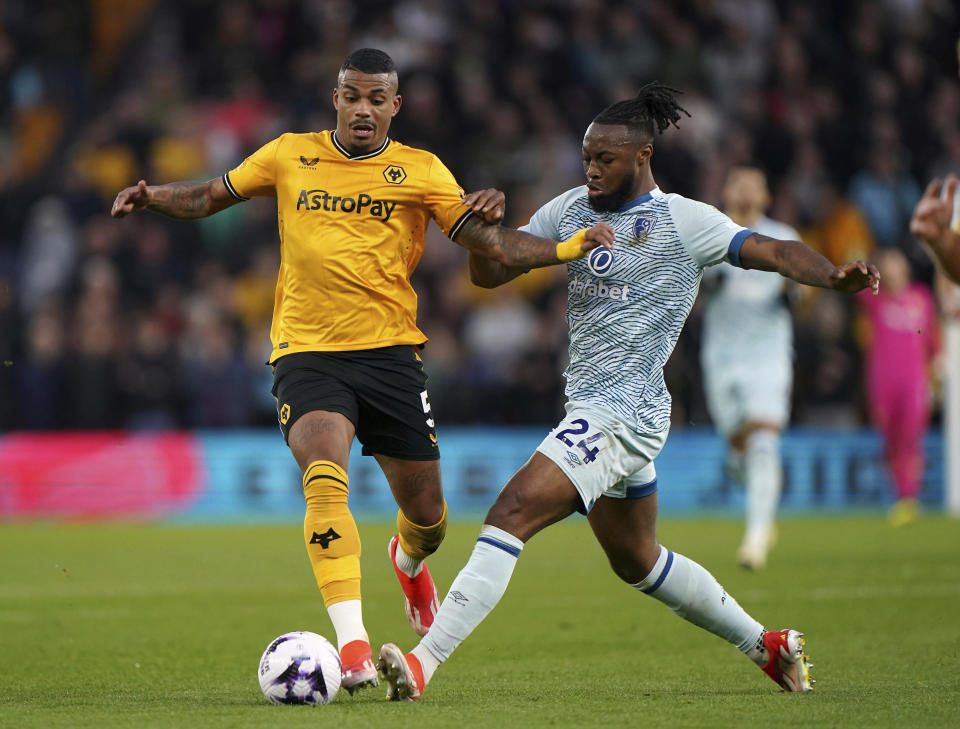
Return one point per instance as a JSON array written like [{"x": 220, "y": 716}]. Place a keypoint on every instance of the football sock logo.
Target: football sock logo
[{"x": 324, "y": 539}]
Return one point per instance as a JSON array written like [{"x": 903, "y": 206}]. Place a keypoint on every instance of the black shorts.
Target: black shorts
[{"x": 382, "y": 391}]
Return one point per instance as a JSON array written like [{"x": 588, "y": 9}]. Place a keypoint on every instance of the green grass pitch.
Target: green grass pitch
[{"x": 144, "y": 625}]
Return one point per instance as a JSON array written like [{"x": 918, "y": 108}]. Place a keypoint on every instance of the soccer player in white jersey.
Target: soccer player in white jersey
[
  {"x": 746, "y": 357},
  {"x": 626, "y": 306}
]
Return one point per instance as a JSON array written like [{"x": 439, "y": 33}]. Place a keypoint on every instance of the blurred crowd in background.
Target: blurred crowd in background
[{"x": 849, "y": 107}]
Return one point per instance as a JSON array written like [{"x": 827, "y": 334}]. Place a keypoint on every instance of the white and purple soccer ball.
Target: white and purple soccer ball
[{"x": 300, "y": 668}]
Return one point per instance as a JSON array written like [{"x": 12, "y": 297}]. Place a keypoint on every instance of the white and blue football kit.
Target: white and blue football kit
[
  {"x": 625, "y": 309},
  {"x": 747, "y": 347}
]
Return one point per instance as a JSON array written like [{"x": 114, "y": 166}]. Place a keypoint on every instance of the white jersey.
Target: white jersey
[
  {"x": 626, "y": 306},
  {"x": 746, "y": 321}
]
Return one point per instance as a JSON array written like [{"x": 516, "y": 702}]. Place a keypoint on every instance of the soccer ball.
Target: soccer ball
[{"x": 300, "y": 668}]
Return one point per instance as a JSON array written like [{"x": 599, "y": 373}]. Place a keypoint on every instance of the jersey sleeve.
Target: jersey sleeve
[
  {"x": 546, "y": 221},
  {"x": 444, "y": 200},
  {"x": 256, "y": 176},
  {"x": 708, "y": 235}
]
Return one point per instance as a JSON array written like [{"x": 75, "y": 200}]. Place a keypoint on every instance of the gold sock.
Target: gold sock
[
  {"x": 330, "y": 533},
  {"x": 421, "y": 541}
]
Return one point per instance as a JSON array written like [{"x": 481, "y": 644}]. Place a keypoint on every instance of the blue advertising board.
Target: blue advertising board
[{"x": 252, "y": 476}]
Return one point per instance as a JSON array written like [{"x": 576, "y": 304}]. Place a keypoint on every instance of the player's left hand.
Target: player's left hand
[
  {"x": 600, "y": 234},
  {"x": 490, "y": 204},
  {"x": 853, "y": 277}
]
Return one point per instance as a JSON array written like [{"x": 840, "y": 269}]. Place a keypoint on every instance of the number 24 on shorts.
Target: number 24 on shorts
[{"x": 581, "y": 428}]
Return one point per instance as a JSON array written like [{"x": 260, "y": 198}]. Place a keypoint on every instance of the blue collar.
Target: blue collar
[{"x": 636, "y": 201}]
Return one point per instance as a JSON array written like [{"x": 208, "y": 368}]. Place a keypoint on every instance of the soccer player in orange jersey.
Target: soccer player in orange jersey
[{"x": 353, "y": 207}]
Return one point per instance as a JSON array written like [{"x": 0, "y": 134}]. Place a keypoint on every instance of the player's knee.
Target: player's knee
[
  {"x": 516, "y": 512},
  {"x": 763, "y": 441},
  {"x": 627, "y": 570},
  {"x": 324, "y": 482},
  {"x": 635, "y": 562},
  {"x": 421, "y": 541}
]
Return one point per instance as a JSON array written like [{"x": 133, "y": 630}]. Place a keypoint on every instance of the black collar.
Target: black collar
[{"x": 343, "y": 150}]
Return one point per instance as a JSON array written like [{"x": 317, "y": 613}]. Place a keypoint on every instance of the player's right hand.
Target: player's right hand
[
  {"x": 856, "y": 276},
  {"x": 932, "y": 214},
  {"x": 490, "y": 204},
  {"x": 130, "y": 199},
  {"x": 599, "y": 235}
]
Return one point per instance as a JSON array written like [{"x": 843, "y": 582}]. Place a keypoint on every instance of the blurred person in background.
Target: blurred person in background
[
  {"x": 9, "y": 333},
  {"x": 353, "y": 209},
  {"x": 40, "y": 379},
  {"x": 626, "y": 307},
  {"x": 885, "y": 192},
  {"x": 92, "y": 391},
  {"x": 903, "y": 342},
  {"x": 149, "y": 376},
  {"x": 747, "y": 362}
]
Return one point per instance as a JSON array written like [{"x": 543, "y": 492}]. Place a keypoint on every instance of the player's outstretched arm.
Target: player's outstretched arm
[
  {"x": 490, "y": 205},
  {"x": 489, "y": 274},
  {"x": 182, "y": 200},
  {"x": 517, "y": 249},
  {"x": 800, "y": 262},
  {"x": 931, "y": 224}
]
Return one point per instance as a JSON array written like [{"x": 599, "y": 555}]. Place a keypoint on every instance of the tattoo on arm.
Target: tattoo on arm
[
  {"x": 488, "y": 273},
  {"x": 506, "y": 245},
  {"x": 185, "y": 200},
  {"x": 189, "y": 200}
]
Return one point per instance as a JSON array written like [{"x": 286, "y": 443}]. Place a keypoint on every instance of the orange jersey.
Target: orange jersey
[{"x": 351, "y": 232}]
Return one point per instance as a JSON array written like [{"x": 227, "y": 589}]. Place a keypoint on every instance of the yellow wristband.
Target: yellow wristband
[{"x": 569, "y": 250}]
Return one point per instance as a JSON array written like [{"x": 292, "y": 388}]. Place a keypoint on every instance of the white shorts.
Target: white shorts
[
  {"x": 602, "y": 455},
  {"x": 738, "y": 395}
]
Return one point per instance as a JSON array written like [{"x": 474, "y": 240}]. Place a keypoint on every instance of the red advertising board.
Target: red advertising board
[{"x": 98, "y": 474}]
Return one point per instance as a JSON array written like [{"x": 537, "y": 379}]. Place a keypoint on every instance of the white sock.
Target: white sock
[
  {"x": 347, "y": 619},
  {"x": 410, "y": 566},
  {"x": 428, "y": 662},
  {"x": 764, "y": 478},
  {"x": 734, "y": 465},
  {"x": 474, "y": 592},
  {"x": 692, "y": 593}
]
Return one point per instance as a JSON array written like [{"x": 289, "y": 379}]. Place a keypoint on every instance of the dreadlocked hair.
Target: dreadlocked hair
[{"x": 654, "y": 104}]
